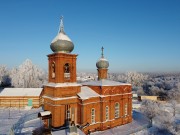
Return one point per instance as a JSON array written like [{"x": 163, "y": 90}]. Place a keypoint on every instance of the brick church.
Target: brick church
[{"x": 91, "y": 106}]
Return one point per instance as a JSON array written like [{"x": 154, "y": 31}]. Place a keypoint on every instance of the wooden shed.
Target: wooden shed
[{"x": 21, "y": 97}]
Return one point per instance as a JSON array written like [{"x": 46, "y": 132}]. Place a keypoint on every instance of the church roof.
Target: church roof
[
  {"x": 87, "y": 93},
  {"x": 21, "y": 92},
  {"x": 104, "y": 82},
  {"x": 61, "y": 84}
]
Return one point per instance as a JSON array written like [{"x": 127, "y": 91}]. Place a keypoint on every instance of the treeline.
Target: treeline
[
  {"x": 28, "y": 75},
  {"x": 153, "y": 84}
]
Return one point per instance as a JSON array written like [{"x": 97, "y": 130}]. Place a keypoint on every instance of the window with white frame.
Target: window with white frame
[
  {"x": 92, "y": 115},
  {"x": 107, "y": 113},
  {"x": 116, "y": 110},
  {"x": 126, "y": 109}
]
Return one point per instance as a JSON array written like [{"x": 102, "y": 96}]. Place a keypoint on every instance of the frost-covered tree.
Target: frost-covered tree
[
  {"x": 174, "y": 106},
  {"x": 155, "y": 91},
  {"x": 150, "y": 109},
  {"x": 165, "y": 123},
  {"x": 178, "y": 86},
  {"x": 27, "y": 75},
  {"x": 140, "y": 91},
  {"x": 4, "y": 76},
  {"x": 174, "y": 94},
  {"x": 136, "y": 79}
]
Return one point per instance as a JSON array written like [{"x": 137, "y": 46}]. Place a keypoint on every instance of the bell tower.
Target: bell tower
[
  {"x": 62, "y": 64},
  {"x": 60, "y": 93},
  {"x": 62, "y": 68}
]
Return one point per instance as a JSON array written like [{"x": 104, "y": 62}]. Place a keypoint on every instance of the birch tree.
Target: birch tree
[
  {"x": 136, "y": 79},
  {"x": 27, "y": 75},
  {"x": 150, "y": 109}
]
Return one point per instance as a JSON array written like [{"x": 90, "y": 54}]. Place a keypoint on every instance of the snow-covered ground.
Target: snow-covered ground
[
  {"x": 8, "y": 117},
  {"x": 21, "y": 119},
  {"x": 139, "y": 123},
  {"x": 66, "y": 132},
  {"x": 25, "y": 121},
  {"x": 29, "y": 126}
]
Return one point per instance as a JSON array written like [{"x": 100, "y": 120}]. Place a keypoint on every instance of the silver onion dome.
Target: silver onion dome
[
  {"x": 102, "y": 63},
  {"x": 62, "y": 43}
]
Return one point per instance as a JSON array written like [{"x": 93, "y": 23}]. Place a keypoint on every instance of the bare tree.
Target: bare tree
[
  {"x": 27, "y": 75},
  {"x": 165, "y": 123},
  {"x": 174, "y": 94},
  {"x": 174, "y": 106},
  {"x": 156, "y": 91},
  {"x": 150, "y": 109},
  {"x": 4, "y": 75},
  {"x": 140, "y": 91},
  {"x": 136, "y": 79}
]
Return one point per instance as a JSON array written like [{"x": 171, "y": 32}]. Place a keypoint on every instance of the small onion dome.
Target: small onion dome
[
  {"x": 62, "y": 43},
  {"x": 102, "y": 62}
]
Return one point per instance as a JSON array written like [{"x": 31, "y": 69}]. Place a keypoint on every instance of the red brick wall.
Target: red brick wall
[
  {"x": 100, "y": 104},
  {"x": 61, "y": 91},
  {"x": 121, "y": 94},
  {"x": 102, "y": 73},
  {"x": 60, "y": 60},
  {"x": 109, "y": 96},
  {"x": 57, "y": 108}
]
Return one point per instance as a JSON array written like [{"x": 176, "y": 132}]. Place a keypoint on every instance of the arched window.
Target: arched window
[
  {"x": 126, "y": 109},
  {"x": 67, "y": 71},
  {"x": 107, "y": 113},
  {"x": 116, "y": 110},
  {"x": 53, "y": 70},
  {"x": 66, "y": 68},
  {"x": 92, "y": 115}
]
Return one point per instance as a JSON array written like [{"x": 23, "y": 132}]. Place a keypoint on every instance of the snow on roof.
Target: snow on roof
[
  {"x": 62, "y": 84},
  {"x": 45, "y": 113},
  {"x": 87, "y": 93},
  {"x": 21, "y": 92},
  {"x": 57, "y": 98},
  {"x": 61, "y": 36},
  {"x": 135, "y": 95},
  {"x": 104, "y": 82}
]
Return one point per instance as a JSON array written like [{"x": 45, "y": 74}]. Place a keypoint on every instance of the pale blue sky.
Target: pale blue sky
[{"x": 138, "y": 35}]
